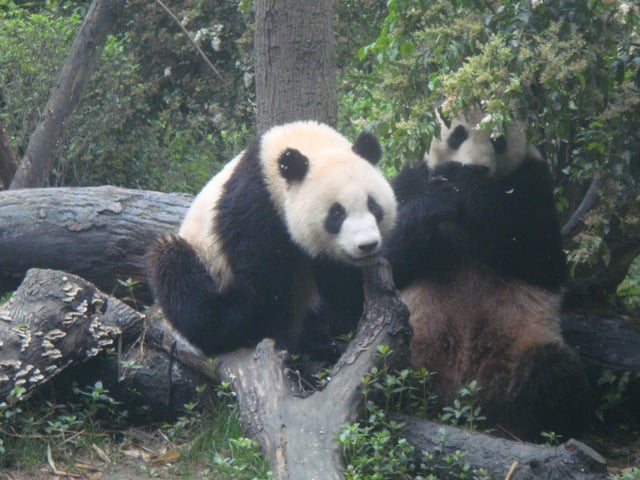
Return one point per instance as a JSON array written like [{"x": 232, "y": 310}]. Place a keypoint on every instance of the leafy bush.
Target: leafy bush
[
  {"x": 151, "y": 116},
  {"x": 374, "y": 448},
  {"x": 571, "y": 69}
]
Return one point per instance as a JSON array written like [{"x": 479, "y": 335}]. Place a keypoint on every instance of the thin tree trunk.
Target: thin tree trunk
[
  {"x": 35, "y": 168},
  {"x": 295, "y": 62},
  {"x": 8, "y": 164}
]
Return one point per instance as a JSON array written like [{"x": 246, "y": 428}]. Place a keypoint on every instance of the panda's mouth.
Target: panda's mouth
[{"x": 362, "y": 261}]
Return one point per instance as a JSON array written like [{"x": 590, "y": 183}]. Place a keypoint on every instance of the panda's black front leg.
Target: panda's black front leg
[
  {"x": 318, "y": 343},
  {"x": 211, "y": 320}
]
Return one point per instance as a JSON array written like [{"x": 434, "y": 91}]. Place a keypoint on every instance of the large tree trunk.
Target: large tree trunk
[
  {"x": 35, "y": 168},
  {"x": 295, "y": 62}
]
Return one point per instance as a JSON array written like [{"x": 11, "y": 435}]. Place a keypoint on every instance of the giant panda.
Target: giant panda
[
  {"x": 477, "y": 256},
  {"x": 295, "y": 210}
]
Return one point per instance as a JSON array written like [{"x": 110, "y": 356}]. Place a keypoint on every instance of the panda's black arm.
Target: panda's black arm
[
  {"x": 515, "y": 227},
  {"x": 423, "y": 203},
  {"x": 411, "y": 182}
]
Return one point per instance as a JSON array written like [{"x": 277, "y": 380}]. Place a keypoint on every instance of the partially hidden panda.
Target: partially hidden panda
[
  {"x": 301, "y": 208},
  {"x": 477, "y": 256}
]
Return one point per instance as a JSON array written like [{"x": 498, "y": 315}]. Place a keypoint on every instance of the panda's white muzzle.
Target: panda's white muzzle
[{"x": 360, "y": 239}]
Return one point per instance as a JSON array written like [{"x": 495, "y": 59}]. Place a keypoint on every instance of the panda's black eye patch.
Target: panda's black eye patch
[
  {"x": 375, "y": 209},
  {"x": 499, "y": 144},
  {"x": 457, "y": 137},
  {"x": 335, "y": 218}
]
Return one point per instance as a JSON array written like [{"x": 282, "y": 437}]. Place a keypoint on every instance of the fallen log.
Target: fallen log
[
  {"x": 98, "y": 233},
  {"x": 504, "y": 458},
  {"x": 56, "y": 319}
]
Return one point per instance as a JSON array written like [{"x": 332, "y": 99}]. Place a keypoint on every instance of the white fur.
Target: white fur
[
  {"x": 336, "y": 174},
  {"x": 309, "y": 137},
  {"x": 342, "y": 177},
  {"x": 199, "y": 222},
  {"x": 478, "y": 149}
]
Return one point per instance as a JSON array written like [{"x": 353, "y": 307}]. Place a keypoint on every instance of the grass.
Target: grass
[{"x": 91, "y": 430}]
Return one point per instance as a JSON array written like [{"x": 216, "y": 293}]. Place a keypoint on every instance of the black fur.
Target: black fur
[
  {"x": 264, "y": 261},
  {"x": 335, "y": 218},
  {"x": 293, "y": 165},
  {"x": 457, "y": 137},
  {"x": 190, "y": 300},
  {"x": 457, "y": 213},
  {"x": 458, "y": 218},
  {"x": 368, "y": 147},
  {"x": 549, "y": 384}
]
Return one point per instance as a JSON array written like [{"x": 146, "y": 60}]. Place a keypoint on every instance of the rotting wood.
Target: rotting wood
[{"x": 53, "y": 320}]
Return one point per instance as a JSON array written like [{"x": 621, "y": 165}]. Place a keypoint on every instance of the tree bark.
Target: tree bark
[
  {"x": 54, "y": 320},
  {"x": 99, "y": 233},
  {"x": 295, "y": 62},
  {"x": 572, "y": 459},
  {"x": 35, "y": 168},
  {"x": 8, "y": 164}
]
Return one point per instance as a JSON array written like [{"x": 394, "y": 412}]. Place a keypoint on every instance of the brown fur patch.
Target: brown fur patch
[{"x": 476, "y": 327}]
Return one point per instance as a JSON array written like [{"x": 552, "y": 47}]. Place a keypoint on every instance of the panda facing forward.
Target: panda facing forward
[
  {"x": 477, "y": 257},
  {"x": 292, "y": 212}
]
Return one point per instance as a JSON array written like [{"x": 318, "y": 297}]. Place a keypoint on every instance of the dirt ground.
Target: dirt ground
[{"x": 152, "y": 458}]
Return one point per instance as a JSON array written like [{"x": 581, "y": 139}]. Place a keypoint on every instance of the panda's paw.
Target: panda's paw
[
  {"x": 459, "y": 173},
  {"x": 444, "y": 200}
]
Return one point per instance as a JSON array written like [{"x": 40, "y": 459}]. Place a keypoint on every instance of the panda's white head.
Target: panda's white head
[
  {"x": 335, "y": 202},
  {"x": 464, "y": 142}
]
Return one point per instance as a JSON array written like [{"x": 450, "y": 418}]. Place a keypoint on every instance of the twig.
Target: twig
[
  {"x": 192, "y": 41},
  {"x": 588, "y": 202}
]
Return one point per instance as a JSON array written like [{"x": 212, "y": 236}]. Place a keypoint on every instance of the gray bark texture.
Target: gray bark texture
[
  {"x": 35, "y": 167},
  {"x": 505, "y": 458},
  {"x": 295, "y": 62},
  {"x": 98, "y": 233},
  {"x": 53, "y": 320}
]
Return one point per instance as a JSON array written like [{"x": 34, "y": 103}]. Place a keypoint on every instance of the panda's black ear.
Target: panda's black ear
[
  {"x": 293, "y": 165},
  {"x": 368, "y": 147}
]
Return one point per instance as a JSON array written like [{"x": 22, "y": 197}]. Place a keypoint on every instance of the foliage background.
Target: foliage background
[{"x": 155, "y": 117}]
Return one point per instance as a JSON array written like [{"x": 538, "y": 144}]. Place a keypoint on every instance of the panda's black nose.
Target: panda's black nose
[{"x": 368, "y": 247}]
